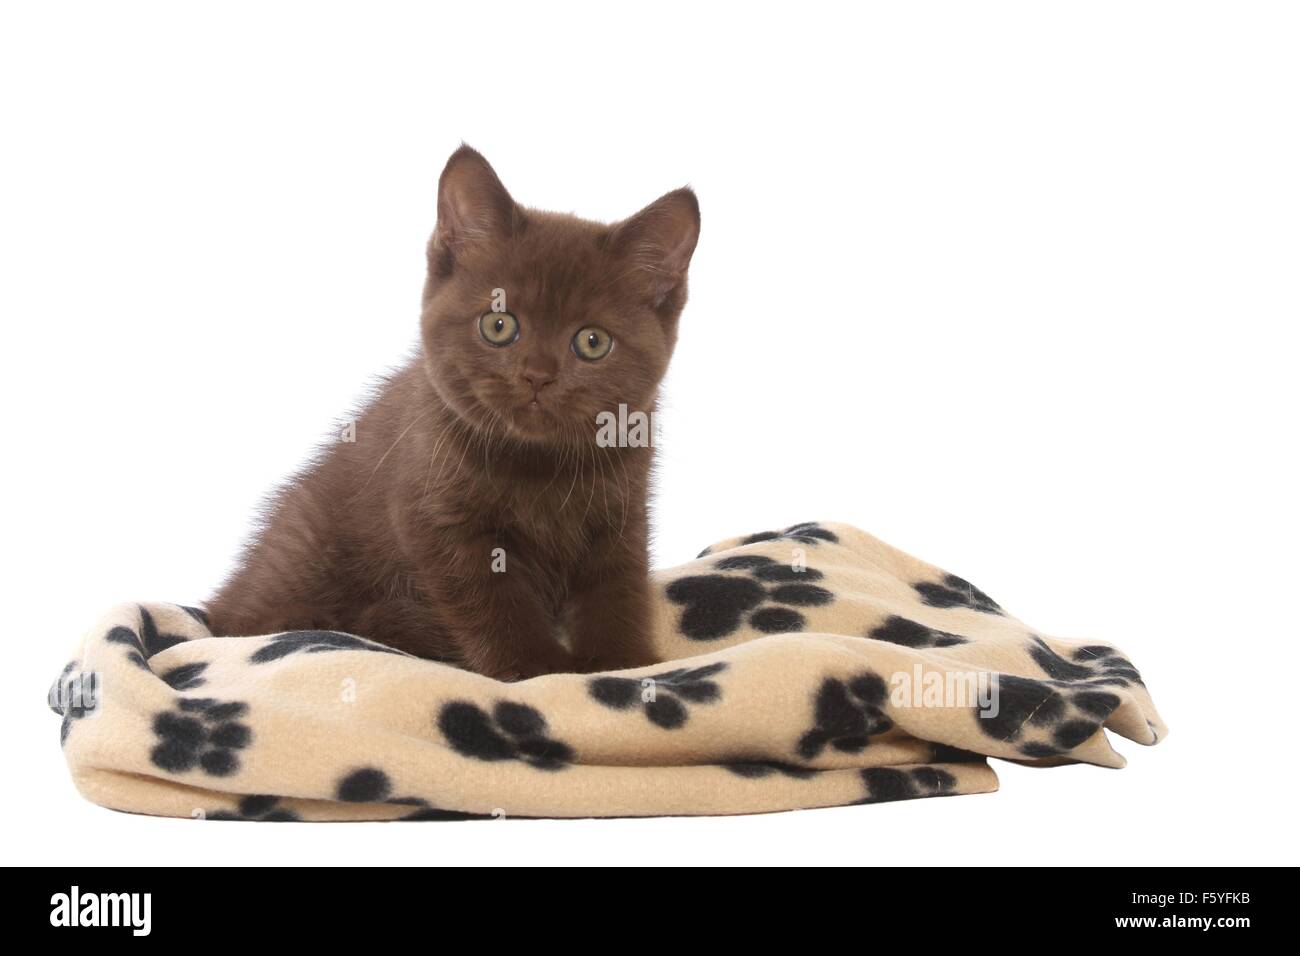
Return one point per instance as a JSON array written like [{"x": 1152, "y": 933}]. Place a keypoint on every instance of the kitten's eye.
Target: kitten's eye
[
  {"x": 592, "y": 343},
  {"x": 498, "y": 328}
]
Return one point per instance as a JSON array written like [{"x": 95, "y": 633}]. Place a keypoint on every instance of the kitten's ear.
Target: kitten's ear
[
  {"x": 473, "y": 206},
  {"x": 659, "y": 241}
]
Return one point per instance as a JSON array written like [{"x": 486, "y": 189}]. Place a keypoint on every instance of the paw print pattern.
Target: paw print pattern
[
  {"x": 426, "y": 811},
  {"x": 367, "y": 785},
  {"x": 315, "y": 642},
  {"x": 1045, "y": 718},
  {"x": 1095, "y": 664},
  {"x": 847, "y": 715},
  {"x": 150, "y": 641},
  {"x": 945, "y": 753},
  {"x": 892, "y": 783},
  {"x": 201, "y": 732},
  {"x": 806, "y": 532},
  {"x": 135, "y": 650},
  {"x": 953, "y": 591},
  {"x": 716, "y": 604},
  {"x": 757, "y": 769},
  {"x": 372, "y": 785},
  {"x": 256, "y": 807},
  {"x": 908, "y": 633},
  {"x": 510, "y": 732},
  {"x": 672, "y": 691},
  {"x": 185, "y": 676},
  {"x": 197, "y": 613}
]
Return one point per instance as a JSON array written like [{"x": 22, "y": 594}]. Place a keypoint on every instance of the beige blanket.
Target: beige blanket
[{"x": 814, "y": 666}]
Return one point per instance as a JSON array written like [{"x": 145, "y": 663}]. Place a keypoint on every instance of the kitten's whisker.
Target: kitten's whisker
[
  {"x": 604, "y": 481},
  {"x": 572, "y": 483},
  {"x": 433, "y": 456},
  {"x": 451, "y": 436},
  {"x": 466, "y": 444},
  {"x": 385, "y": 455},
  {"x": 625, "y": 492},
  {"x": 592, "y": 472}
]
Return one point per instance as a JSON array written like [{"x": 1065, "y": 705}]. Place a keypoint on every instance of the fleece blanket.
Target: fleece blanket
[{"x": 809, "y": 667}]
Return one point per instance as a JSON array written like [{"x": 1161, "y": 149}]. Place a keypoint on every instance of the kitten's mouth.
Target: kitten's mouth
[{"x": 533, "y": 417}]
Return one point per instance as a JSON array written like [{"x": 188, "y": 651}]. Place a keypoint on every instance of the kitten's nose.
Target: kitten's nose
[
  {"x": 538, "y": 384},
  {"x": 539, "y": 373}
]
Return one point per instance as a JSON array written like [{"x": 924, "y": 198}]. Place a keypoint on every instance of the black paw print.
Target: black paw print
[
  {"x": 147, "y": 643},
  {"x": 953, "y": 591},
  {"x": 891, "y": 783},
  {"x": 73, "y": 696},
  {"x": 256, "y": 807},
  {"x": 314, "y": 642},
  {"x": 757, "y": 769},
  {"x": 806, "y": 532},
  {"x": 1095, "y": 664},
  {"x": 197, "y": 613},
  {"x": 946, "y": 753},
  {"x": 909, "y": 633},
  {"x": 185, "y": 676},
  {"x": 847, "y": 715},
  {"x": 426, "y": 811},
  {"x": 510, "y": 732},
  {"x": 372, "y": 785},
  {"x": 1044, "y": 718},
  {"x": 665, "y": 708},
  {"x": 203, "y": 733},
  {"x": 717, "y": 603}
]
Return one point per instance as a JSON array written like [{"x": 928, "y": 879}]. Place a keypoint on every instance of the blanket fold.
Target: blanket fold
[{"x": 808, "y": 667}]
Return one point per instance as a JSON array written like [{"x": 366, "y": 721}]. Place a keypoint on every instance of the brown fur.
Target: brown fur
[{"x": 392, "y": 536}]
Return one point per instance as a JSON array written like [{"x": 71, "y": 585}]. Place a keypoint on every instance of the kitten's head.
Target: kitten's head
[{"x": 535, "y": 322}]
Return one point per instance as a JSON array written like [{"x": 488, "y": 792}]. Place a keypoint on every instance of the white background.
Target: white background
[{"x": 1011, "y": 285}]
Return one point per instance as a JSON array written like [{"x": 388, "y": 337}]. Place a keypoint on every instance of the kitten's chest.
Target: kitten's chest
[
  {"x": 559, "y": 515},
  {"x": 558, "y": 524}
]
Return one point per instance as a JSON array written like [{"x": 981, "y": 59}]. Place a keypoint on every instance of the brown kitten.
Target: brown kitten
[{"x": 488, "y": 440}]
